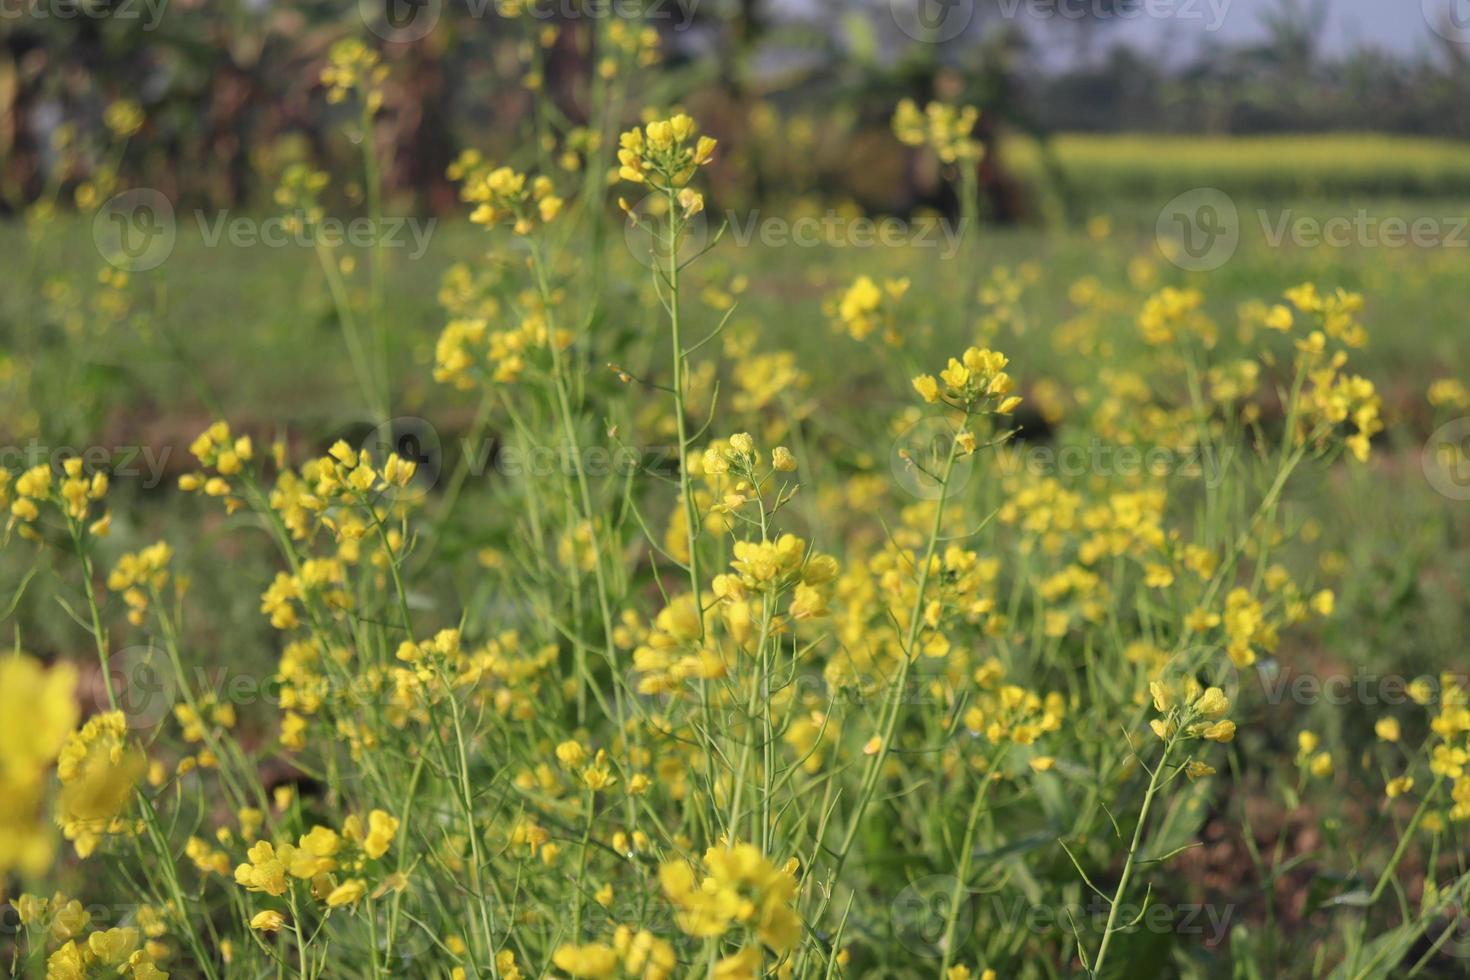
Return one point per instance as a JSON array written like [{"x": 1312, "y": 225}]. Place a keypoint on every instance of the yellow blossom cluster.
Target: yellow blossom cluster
[
  {"x": 1011, "y": 713},
  {"x": 331, "y": 862},
  {"x": 864, "y": 308},
  {"x": 635, "y": 952},
  {"x": 299, "y": 192},
  {"x": 972, "y": 382},
  {"x": 1173, "y": 313},
  {"x": 37, "y": 715},
  {"x": 73, "y": 495},
  {"x": 735, "y": 887},
  {"x": 354, "y": 68},
  {"x": 98, "y": 768},
  {"x": 661, "y": 155},
  {"x": 139, "y": 575},
  {"x": 501, "y": 195},
  {"x": 1190, "y": 712},
  {"x": 946, "y": 129}
]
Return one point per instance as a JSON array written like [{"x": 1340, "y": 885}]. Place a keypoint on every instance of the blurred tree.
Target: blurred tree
[{"x": 230, "y": 93}]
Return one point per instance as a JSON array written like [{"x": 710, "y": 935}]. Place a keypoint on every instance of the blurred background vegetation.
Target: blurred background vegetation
[{"x": 800, "y": 93}]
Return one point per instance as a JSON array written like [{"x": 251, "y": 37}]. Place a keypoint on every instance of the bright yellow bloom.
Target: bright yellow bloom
[
  {"x": 591, "y": 960},
  {"x": 267, "y": 921},
  {"x": 264, "y": 871},
  {"x": 347, "y": 893}
]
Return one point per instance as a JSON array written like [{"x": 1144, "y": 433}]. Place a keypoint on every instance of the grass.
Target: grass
[{"x": 279, "y": 348}]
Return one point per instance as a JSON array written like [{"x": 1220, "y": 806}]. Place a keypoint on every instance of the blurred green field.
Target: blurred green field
[
  {"x": 254, "y": 327},
  {"x": 1288, "y": 167}
]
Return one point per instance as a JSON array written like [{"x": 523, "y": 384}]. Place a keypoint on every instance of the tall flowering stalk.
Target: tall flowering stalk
[{"x": 665, "y": 155}]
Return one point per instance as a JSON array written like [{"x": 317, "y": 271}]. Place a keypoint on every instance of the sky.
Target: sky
[
  {"x": 1397, "y": 26},
  {"x": 1401, "y": 26}
]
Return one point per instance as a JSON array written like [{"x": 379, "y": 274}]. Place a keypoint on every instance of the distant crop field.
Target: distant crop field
[{"x": 1150, "y": 165}]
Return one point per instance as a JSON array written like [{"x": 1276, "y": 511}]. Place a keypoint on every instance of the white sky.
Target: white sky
[{"x": 1398, "y": 26}]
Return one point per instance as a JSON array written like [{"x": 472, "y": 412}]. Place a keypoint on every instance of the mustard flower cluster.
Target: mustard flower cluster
[{"x": 946, "y": 129}]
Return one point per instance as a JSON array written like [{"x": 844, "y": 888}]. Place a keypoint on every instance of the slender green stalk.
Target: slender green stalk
[
  {"x": 1126, "y": 878},
  {"x": 686, "y": 484},
  {"x": 372, "y": 179},
  {"x": 962, "y": 876},
  {"x": 99, "y": 635}
]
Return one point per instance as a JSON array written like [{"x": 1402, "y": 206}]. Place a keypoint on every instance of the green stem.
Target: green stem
[
  {"x": 373, "y": 181},
  {"x": 1127, "y": 876},
  {"x": 686, "y": 485},
  {"x": 98, "y": 633},
  {"x": 962, "y": 878}
]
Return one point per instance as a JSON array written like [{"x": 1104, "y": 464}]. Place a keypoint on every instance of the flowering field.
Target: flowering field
[{"x": 608, "y": 586}]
